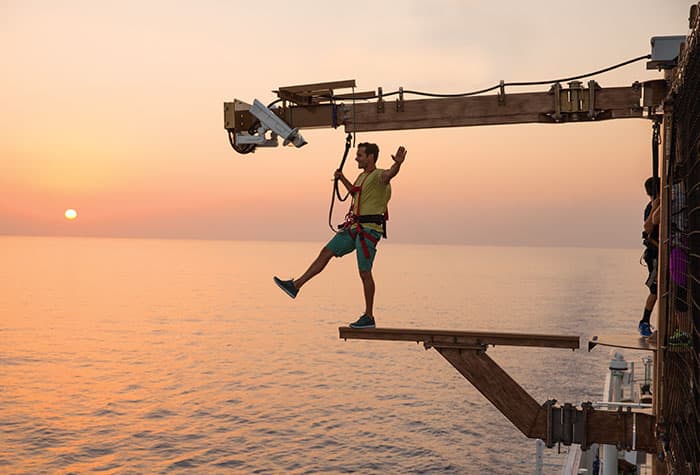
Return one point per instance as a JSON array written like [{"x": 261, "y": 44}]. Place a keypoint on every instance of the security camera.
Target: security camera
[{"x": 270, "y": 121}]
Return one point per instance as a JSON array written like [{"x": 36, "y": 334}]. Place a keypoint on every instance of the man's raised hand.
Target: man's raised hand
[{"x": 400, "y": 155}]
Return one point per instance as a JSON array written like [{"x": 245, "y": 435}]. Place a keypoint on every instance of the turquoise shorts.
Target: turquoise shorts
[{"x": 343, "y": 244}]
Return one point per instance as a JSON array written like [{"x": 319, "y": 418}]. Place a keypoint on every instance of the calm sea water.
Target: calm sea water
[{"x": 150, "y": 356}]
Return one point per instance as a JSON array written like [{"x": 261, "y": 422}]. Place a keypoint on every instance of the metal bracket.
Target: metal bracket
[
  {"x": 556, "y": 90},
  {"x": 565, "y": 424},
  {"x": 636, "y": 86},
  {"x": 399, "y": 101},
  {"x": 575, "y": 102},
  {"x": 621, "y": 417},
  {"x": 592, "y": 86},
  {"x": 457, "y": 346}
]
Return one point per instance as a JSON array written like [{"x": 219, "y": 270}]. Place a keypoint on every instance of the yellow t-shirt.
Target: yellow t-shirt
[{"x": 374, "y": 196}]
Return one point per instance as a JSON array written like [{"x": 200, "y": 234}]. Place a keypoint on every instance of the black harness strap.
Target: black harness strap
[
  {"x": 655, "y": 140},
  {"x": 336, "y": 190},
  {"x": 374, "y": 219}
]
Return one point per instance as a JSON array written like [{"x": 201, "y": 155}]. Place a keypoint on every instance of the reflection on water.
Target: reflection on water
[{"x": 158, "y": 356}]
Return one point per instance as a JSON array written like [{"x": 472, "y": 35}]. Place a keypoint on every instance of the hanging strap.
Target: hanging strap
[
  {"x": 655, "y": 140},
  {"x": 336, "y": 190}
]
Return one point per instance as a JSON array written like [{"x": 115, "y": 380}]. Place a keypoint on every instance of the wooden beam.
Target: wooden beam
[
  {"x": 532, "y": 107},
  {"x": 319, "y": 86},
  {"x": 500, "y": 389},
  {"x": 624, "y": 429},
  {"x": 464, "y": 339}
]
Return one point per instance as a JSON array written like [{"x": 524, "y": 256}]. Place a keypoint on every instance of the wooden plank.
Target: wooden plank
[
  {"x": 301, "y": 99},
  {"x": 468, "y": 339},
  {"x": 319, "y": 86},
  {"x": 324, "y": 95},
  {"x": 364, "y": 95},
  {"x": 630, "y": 342}
]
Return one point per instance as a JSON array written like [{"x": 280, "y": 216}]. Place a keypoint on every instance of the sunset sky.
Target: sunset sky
[{"x": 115, "y": 109}]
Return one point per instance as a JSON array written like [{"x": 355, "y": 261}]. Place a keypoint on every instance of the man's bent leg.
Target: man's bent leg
[
  {"x": 368, "y": 288},
  {"x": 315, "y": 268},
  {"x": 340, "y": 245}
]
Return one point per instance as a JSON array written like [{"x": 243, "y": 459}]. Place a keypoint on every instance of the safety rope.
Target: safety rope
[{"x": 336, "y": 188}]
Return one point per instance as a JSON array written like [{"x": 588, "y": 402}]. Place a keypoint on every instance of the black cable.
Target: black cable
[
  {"x": 274, "y": 102},
  {"x": 336, "y": 190},
  {"x": 573, "y": 78},
  {"x": 509, "y": 84},
  {"x": 242, "y": 149},
  {"x": 248, "y": 148}
]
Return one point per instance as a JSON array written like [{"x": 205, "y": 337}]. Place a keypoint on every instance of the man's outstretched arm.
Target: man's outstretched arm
[{"x": 400, "y": 156}]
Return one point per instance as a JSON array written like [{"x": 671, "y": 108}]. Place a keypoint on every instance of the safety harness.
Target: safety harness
[{"x": 353, "y": 220}]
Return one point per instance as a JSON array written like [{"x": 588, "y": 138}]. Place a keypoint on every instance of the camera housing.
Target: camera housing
[{"x": 269, "y": 121}]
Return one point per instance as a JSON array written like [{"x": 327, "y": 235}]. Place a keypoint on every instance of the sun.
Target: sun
[{"x": 70, "y": 214}]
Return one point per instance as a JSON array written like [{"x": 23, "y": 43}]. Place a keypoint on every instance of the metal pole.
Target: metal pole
[
  {"x": 618, "y": 366},
  {"x": 539, "y": 457}
]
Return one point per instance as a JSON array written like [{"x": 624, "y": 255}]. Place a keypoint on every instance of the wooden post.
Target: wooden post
[{"x": 658, "y": 379}]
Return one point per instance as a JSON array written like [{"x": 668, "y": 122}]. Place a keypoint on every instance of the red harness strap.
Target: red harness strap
[
  {"x": 351, "y": 219},
  {"x": 364, "y": 235}
]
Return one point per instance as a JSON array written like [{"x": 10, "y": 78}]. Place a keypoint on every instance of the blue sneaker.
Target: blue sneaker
[
  {"x": 365, "y": 321},
  {"x": 644, "y": 329},
  {"x": 287, "y": 286}
]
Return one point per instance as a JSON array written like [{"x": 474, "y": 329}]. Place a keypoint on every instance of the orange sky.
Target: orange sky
[{"x": 116, "y": 110}]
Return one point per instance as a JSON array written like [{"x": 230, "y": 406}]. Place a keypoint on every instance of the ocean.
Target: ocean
[{"x": 167, "y": 356}]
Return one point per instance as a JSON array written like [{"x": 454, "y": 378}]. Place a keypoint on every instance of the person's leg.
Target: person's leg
[
  {"x": 368, "y": 288},
  {"x": 649, "y": 307},
  {"x": 315, "y": 268},
  {"x": 644, "y": 324},
  {"x": 341, "y": 244},
  {"x": 364, "y": 265}
]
